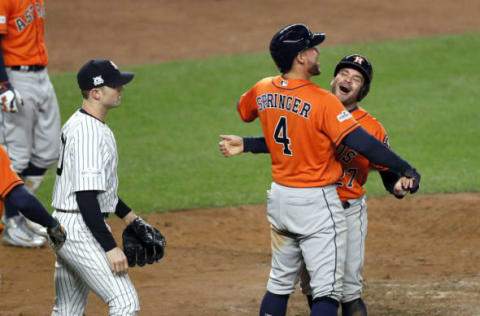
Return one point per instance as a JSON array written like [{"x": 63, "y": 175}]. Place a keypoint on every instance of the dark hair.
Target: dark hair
[{"x": 85, "y": 94}]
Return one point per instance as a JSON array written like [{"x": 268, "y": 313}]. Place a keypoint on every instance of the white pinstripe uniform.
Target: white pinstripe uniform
[{"x": 88, "y": 161}]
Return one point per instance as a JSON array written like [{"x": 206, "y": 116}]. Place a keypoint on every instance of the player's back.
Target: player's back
[{"x": 302, "y": 124}]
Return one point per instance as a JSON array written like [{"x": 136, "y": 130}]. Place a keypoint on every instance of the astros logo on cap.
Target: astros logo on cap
[{"x": 358, "y": 60}]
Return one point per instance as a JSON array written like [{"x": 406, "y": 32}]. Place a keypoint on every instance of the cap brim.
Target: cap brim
[
  {"x": 317, "y": 39},
  {"x": 123, "y": 79}
]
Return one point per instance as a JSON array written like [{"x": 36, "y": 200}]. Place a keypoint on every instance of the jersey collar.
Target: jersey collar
[
  {"x": 355, "y": 108},
  {"x": 85, "y": 112},
  {"x": 290, "y": 84}
]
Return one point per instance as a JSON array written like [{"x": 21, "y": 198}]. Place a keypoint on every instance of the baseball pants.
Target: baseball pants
[
  {"x": 82, "y": 266},
  {"x": 357, "y": 220},
  {"x": 307, "y": 226},
  {"x": 32, "y": 134}
]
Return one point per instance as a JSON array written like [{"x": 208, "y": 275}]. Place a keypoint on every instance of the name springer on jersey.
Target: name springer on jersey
[{"x": 283, "y": 102}]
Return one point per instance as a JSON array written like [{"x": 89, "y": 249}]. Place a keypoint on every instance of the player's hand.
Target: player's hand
[
  {"x": 413, "y": 175},
  {"x": 231, "y": 145},
  {"x": 402, "y": 186},
  {"x": 118, "y": 261},
  {"x": 10, "y": 98},
  {"x": 56, "y": 236}
]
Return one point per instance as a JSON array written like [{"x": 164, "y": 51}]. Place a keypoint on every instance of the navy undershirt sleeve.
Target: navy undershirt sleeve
[
  {"x": 19, "y": 198},
  {"x": 3, "y": 72},
  {"x": 93, "y": 217},
  {"x": 389, "y": 178},
  {"x": 359, "y": 140},
  {"x": 375, "y": 151},
  {"x": 122, "y": 209},
  {"x": 255, "y": 145}
]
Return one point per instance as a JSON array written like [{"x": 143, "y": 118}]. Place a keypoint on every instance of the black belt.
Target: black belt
[
  {"x": 346, "y": 205},
  {"x": 28, "y": 68},
  {"x": 78, "y": 212},
  {"x": 64, "y": 211}
]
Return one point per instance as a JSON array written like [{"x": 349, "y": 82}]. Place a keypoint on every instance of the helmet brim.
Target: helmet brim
[{"x": 317, "y": 39}]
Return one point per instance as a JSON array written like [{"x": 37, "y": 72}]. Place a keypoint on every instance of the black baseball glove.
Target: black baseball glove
[
  {"x": 56, "y": 236},
  {"x": 142, "y": 243}
]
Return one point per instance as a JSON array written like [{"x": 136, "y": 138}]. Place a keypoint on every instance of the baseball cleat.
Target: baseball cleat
[{"x": 17, "y": 234}]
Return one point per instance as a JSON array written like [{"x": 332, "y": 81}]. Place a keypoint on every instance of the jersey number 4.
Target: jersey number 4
[{"x": 281, "y": 135}]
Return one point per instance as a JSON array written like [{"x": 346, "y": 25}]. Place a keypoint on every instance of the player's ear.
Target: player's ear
[
  {"x": 95, "y": 94},
  {"x": 301, "y": 57}
]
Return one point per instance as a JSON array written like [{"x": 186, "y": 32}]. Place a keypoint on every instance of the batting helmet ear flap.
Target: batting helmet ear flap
[{"x": 363, "y": 91}]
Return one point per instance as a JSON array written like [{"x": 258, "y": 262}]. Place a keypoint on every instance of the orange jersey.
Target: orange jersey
[
  {"x": 302, "y": 124},
  {"x": 356, "y": 167},
  {"x": 8, "y": 178},
  {"x": 22, "y": 27}
]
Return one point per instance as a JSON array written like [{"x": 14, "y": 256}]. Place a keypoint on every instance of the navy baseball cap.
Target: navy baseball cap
[{"x": 101, "y": 72}]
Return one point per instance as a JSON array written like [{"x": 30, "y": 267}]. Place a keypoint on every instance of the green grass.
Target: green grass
[{"x": 424, "y": 93}]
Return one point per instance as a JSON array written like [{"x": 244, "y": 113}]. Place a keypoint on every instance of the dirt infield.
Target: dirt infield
[{"x": 422, "y": 255}]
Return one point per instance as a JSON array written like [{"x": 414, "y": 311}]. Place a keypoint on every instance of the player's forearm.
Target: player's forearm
[
  {"x": 130, "y": 217},
  {"x": 19, "y": 198},
  {"x": 389, "y": 178},
  {"x": 375, "y": 151},
  {"x": 125, "y": 212},
  {"x": 93, "y": 218},
  {"x": 3, "y": 72},
  {"x": 255, "y": 145}
]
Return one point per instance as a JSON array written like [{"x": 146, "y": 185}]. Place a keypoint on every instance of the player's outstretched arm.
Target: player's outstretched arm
[
  {"x": 19, "y": 198},
  {"x": 379, "y": 154},
  {"x": 231, "y": 145},
  {"x": 234, "y": 145}
]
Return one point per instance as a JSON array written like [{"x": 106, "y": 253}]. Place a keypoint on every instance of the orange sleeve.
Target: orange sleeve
[
  {"x": 4, "y": 13},
  {"x": 337, "y": 122},
  {"x": 8, "y": 178},
  {"x": 247, "y": 106}
]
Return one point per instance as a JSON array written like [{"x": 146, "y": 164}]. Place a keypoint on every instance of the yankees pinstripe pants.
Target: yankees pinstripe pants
[{"x": 82, "y": 266}]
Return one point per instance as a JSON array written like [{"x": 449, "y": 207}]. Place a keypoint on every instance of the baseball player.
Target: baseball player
[
  {"x": 85, "y": 193},
  {"x": 351, "y": 83},
  {"x": 30, "y": 120},
  {"x": 302, "y": 125},
  {"x": 13, "y": 192}
]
